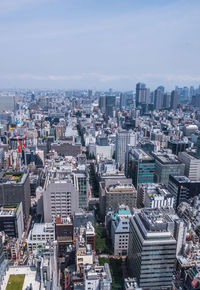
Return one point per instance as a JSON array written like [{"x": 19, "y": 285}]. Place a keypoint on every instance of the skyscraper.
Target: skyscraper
[
  {"x": 139, "y": 166},
  {"x": 166, "y": 164},
  {"x": 110, "y": 102},
  {"x": 140, "y": 93},
  {"x": 159, "y": 98},
  {"x": 174, "y": 100},
  {"x": 152, "y": 249},
  {"x": 123, "y": 138}
]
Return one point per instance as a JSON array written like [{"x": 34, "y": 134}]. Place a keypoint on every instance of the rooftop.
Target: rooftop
[
  {"x": 166, "y": 158},
  {"x": 8, "y": 211},
  {"x": 140, "y": 154},
  {"x": 39, "y": 229},
  {"x": 12, "y": 177}
]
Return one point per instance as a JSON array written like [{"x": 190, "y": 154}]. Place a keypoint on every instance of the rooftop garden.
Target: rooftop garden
[
  {"x": 15, "y": 282},
  {"x": 14, "y": 176}
]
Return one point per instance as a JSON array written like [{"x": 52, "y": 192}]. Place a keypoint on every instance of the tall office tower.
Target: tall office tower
[
  {"x": 110, "y": 103},
  {"x": 126, "y": 100},
  {"x": 185, "y": 94},
  {"x": 140, "y": 94},
  {"x": 158, "y": 98},
  {"x": 123, "y": 139},
  {"x": 192, "y": 92},
  {"x": 147, "y": 96},
  {"x": 14, "y": 189},
  {"x": 174, "y": 100},
  {"x": 60, "y": 197},
  {"x": 166, "y": 100},
  {"x": 152, "y": 249},
  {"x": 90, "y": 94},
  {"x": 102, "y": 103},
  {"x": 183, "y": 188},
  {"x": 166, "y": 164},
  {"x": 81, "y": 182},
  {"x": 192, "y": 164},
  {"x": 139, "y": 166}
]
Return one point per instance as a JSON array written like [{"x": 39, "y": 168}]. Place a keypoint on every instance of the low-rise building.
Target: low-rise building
[
  {"x": 97, "y": 277},
  {"x": 40, "y": 236}
]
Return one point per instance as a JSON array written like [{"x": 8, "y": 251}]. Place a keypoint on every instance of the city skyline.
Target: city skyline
[{"x": 76, "y": 45}]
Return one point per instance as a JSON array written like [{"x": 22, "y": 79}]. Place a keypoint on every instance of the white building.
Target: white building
[
  {"x": 40, "y": 235},
  {"x": 97, "y": 277},
  {"x": 123, "y": 138},
  {"x": 192, "y": 165},
  {"x": 156, "y": 195},
  {"x": 120, "y": 231},
  {"x": 60, "y": 197}
]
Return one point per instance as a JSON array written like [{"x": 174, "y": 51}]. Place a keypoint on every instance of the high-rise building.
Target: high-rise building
[
  {"x": 81, "y": 182},
  {"x": 139, "y": 166},
  {"x": 14, "y": 189},
  {"x": 158, "y": 98},
  {"x": 126, "y": 100},
  {"x": 60, "y": 197},
  {"x": 152, "y": 249},
  {"x": 177, "y": 146},
  {"x": 166, "y": 100},
  {"x": 11, "y": 221},
  {"x": 192, "y": 164},
  {"x": 166, "y": 164},
  {"x": 110, "y": 103},
  {"x": 174, "y": 99},
  {"x": 183, "y": 188},
  {"x": 102, "y": 103},
  {"x": 123, "y": 139},
  {"x": 140, "y": 94}
]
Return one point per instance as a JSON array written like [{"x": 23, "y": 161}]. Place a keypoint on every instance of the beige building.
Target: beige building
[{"x": 116, "y": 192}]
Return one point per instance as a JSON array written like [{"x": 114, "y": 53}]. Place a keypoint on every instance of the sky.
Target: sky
[{"x": 99, "y": 44}]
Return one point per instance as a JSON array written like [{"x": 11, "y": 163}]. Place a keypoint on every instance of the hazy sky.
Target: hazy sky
[{"x": 99, "y": 44}]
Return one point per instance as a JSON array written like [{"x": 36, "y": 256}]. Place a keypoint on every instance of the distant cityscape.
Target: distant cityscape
[{"x": 100, "y": 189}]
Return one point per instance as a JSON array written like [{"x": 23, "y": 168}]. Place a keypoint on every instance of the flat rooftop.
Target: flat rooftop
[
  {"x": 12, "y": 177},
  {"x": 30, "y": 277},
  {"x": 140, "y": 154},
  {"x": 166, "y": 158},
  {"x": 39, "y": 229},
  {"x": 155, "y": 220},
  {"x": 8, "y": 211},
  {"x": 182, "y": 178}
]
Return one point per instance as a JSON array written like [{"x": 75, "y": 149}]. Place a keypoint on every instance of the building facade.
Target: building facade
[{"x": 152, "y": 249}]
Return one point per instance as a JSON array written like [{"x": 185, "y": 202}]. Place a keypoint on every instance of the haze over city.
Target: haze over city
[{"x": 99, "y": 44}]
